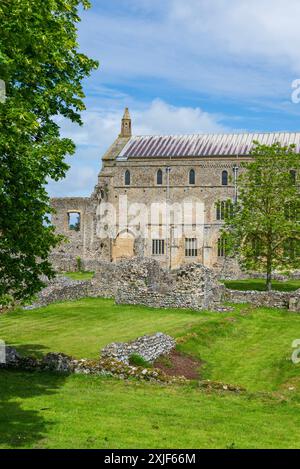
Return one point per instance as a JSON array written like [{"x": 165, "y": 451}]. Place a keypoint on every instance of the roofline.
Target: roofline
[{"x": 218, "y": 133}]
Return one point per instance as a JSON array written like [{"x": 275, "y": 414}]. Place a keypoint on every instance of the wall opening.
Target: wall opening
[{"x": 74, "y": 221}]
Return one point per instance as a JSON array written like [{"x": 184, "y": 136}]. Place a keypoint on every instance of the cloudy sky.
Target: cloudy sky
[{"x": 183, "y": 66}]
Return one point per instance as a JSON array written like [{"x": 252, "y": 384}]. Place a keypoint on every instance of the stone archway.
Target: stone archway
[{"x": 123, "y": 246}]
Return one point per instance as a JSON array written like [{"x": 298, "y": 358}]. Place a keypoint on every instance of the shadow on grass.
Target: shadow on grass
[
  {"x": 21, "y": 426},
  {"x": 31, "y": 350}
]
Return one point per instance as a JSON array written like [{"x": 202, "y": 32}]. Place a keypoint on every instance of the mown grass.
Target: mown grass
[
  {"x": 81, "y": 328},
  {"x": 250, "y": 347},
  {"x": 259, "y": 284},
  {"x": 55, "y": 411},
  {"x": 79, "y": 275}
]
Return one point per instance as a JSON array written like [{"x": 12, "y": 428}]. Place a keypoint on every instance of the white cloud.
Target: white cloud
[
  {"x": 237, "y": 48},
  {"x": 102, "y": 127},
  {"x": 260, "y": 29},
  {"x": 162, "y": 118}
]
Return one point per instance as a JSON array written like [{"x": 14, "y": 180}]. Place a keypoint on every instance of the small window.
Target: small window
[
  {"x": 127, "y": 178},
  {"x": 192, "y": 177},
  {"x": 191, "y": 249},
  {"x": 293, "y": 176},
  {"x": 224, "y": 178},
  {"x": 74, "y": 221},
  {"x": 159, "y": 177},
  {"x": 158, "y": 247},
  {"x": 222, "y": 245}
]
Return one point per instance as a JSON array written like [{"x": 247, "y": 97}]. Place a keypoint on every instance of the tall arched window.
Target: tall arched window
[
  {"x": 224, "y": 209},
  {"x": 127, "y": 178},
  {"x": 224, "y": 178},
  {"x": 192, "y": 176},
  {"x": 159, "y": 177},
  {"x": 293, "y": 176}
]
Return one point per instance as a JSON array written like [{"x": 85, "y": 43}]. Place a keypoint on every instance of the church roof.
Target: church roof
[{"x": 202, "y": 145}]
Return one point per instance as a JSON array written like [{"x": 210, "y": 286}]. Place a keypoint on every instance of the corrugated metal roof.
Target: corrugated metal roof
[{"x": 167, "y": 146}]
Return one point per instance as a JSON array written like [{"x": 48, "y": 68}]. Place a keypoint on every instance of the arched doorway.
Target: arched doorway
[{"x": 123, "y": 246}]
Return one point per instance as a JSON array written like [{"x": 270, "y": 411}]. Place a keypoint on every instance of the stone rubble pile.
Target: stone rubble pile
[{"x": 149, "y": 347}]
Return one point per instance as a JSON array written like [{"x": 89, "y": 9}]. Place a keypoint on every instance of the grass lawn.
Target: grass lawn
[
  {"x": 79, "y": 275},
  {"x": 81, "y": 328},
  {"x": 55, "y": 411},
  {"x": 259, "y": 284},
  {"x": 249, "y": 347}
]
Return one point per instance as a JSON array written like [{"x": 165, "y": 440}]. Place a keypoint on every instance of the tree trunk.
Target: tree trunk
[
  {"x": 269, "y": 281},
  {"x": 269, "y": 273}
]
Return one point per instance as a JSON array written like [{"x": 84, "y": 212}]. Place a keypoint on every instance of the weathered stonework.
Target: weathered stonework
[
  {"x": 273, "y": 299},
  {"x": 148, "y": 347},
  {"x": 118, "y": 240},
  {"x": 62, "y": 289},
  {"x": 90, "y": 246},
  {"x": 61, "y": 363},
  {"x": 143, "y": 281},
  {"x": 294, "y": 303}
]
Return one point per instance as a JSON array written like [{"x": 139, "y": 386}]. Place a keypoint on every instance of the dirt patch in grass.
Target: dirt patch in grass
[{"x": 179, "y": 364}]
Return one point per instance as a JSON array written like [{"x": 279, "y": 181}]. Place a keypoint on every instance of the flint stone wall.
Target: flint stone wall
[
  {"x": 61, "y": 289},
  {"x": 149, "y": 347},
  {"x": 61, "y": 363},
  {"x": 143, "y": 281},
  {"x": 273, "y": 299},
  {"x": 64, "y": 262}
]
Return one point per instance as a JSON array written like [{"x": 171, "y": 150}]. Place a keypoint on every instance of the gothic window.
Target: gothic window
[
  {"x": 224, "y": 209},
  {"x": 192, "y": 177},
  {"x": 293, "y": 176},
  {"x": 191, "y": 248},
  {"x": 127, "y": 178},
  {"x": 158, "y": 247},
  {"x": 159, "y": 177},
  {"x": 222, "y": 245},
  {"x": 74, "y": 221},
  {"x": 224, "y": 178}
]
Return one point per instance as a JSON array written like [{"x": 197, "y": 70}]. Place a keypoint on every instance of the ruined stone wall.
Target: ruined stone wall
[
  {"x": 149, "y": 347},
  {"x": 84, "y": 243},
  {"x": 273, "y": 299},
  {"x": 143, "y": 281}
]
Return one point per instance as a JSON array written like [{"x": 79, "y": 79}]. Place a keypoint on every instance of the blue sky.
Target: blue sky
[{"x": 183, "y": 66}]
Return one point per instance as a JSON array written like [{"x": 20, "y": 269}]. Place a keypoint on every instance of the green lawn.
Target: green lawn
[
  {"x": 79, "y": 275},
  {"x": 81, "y": 328},
  {"x": 249, "y": 347},
  {"x": 259, "y": 284},
  {"x": 55, "y": 411}
]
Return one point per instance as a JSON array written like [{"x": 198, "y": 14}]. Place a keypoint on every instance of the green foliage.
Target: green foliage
[
  {"x": 43, "y": 71},
  {"x": 136, "y": 360},
  {"x": 264, "y": 229},
  {"x": 79, "y": 264}
]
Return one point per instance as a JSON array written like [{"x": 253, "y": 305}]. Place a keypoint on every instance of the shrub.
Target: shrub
[
  {"x": 136, "y": 360},
  {"x": 79, "y": 264}
]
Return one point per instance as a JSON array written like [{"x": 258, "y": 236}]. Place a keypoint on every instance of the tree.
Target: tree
[
  {"x": 43, "y": 72},
  {"x": 264, "y": 229}
]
